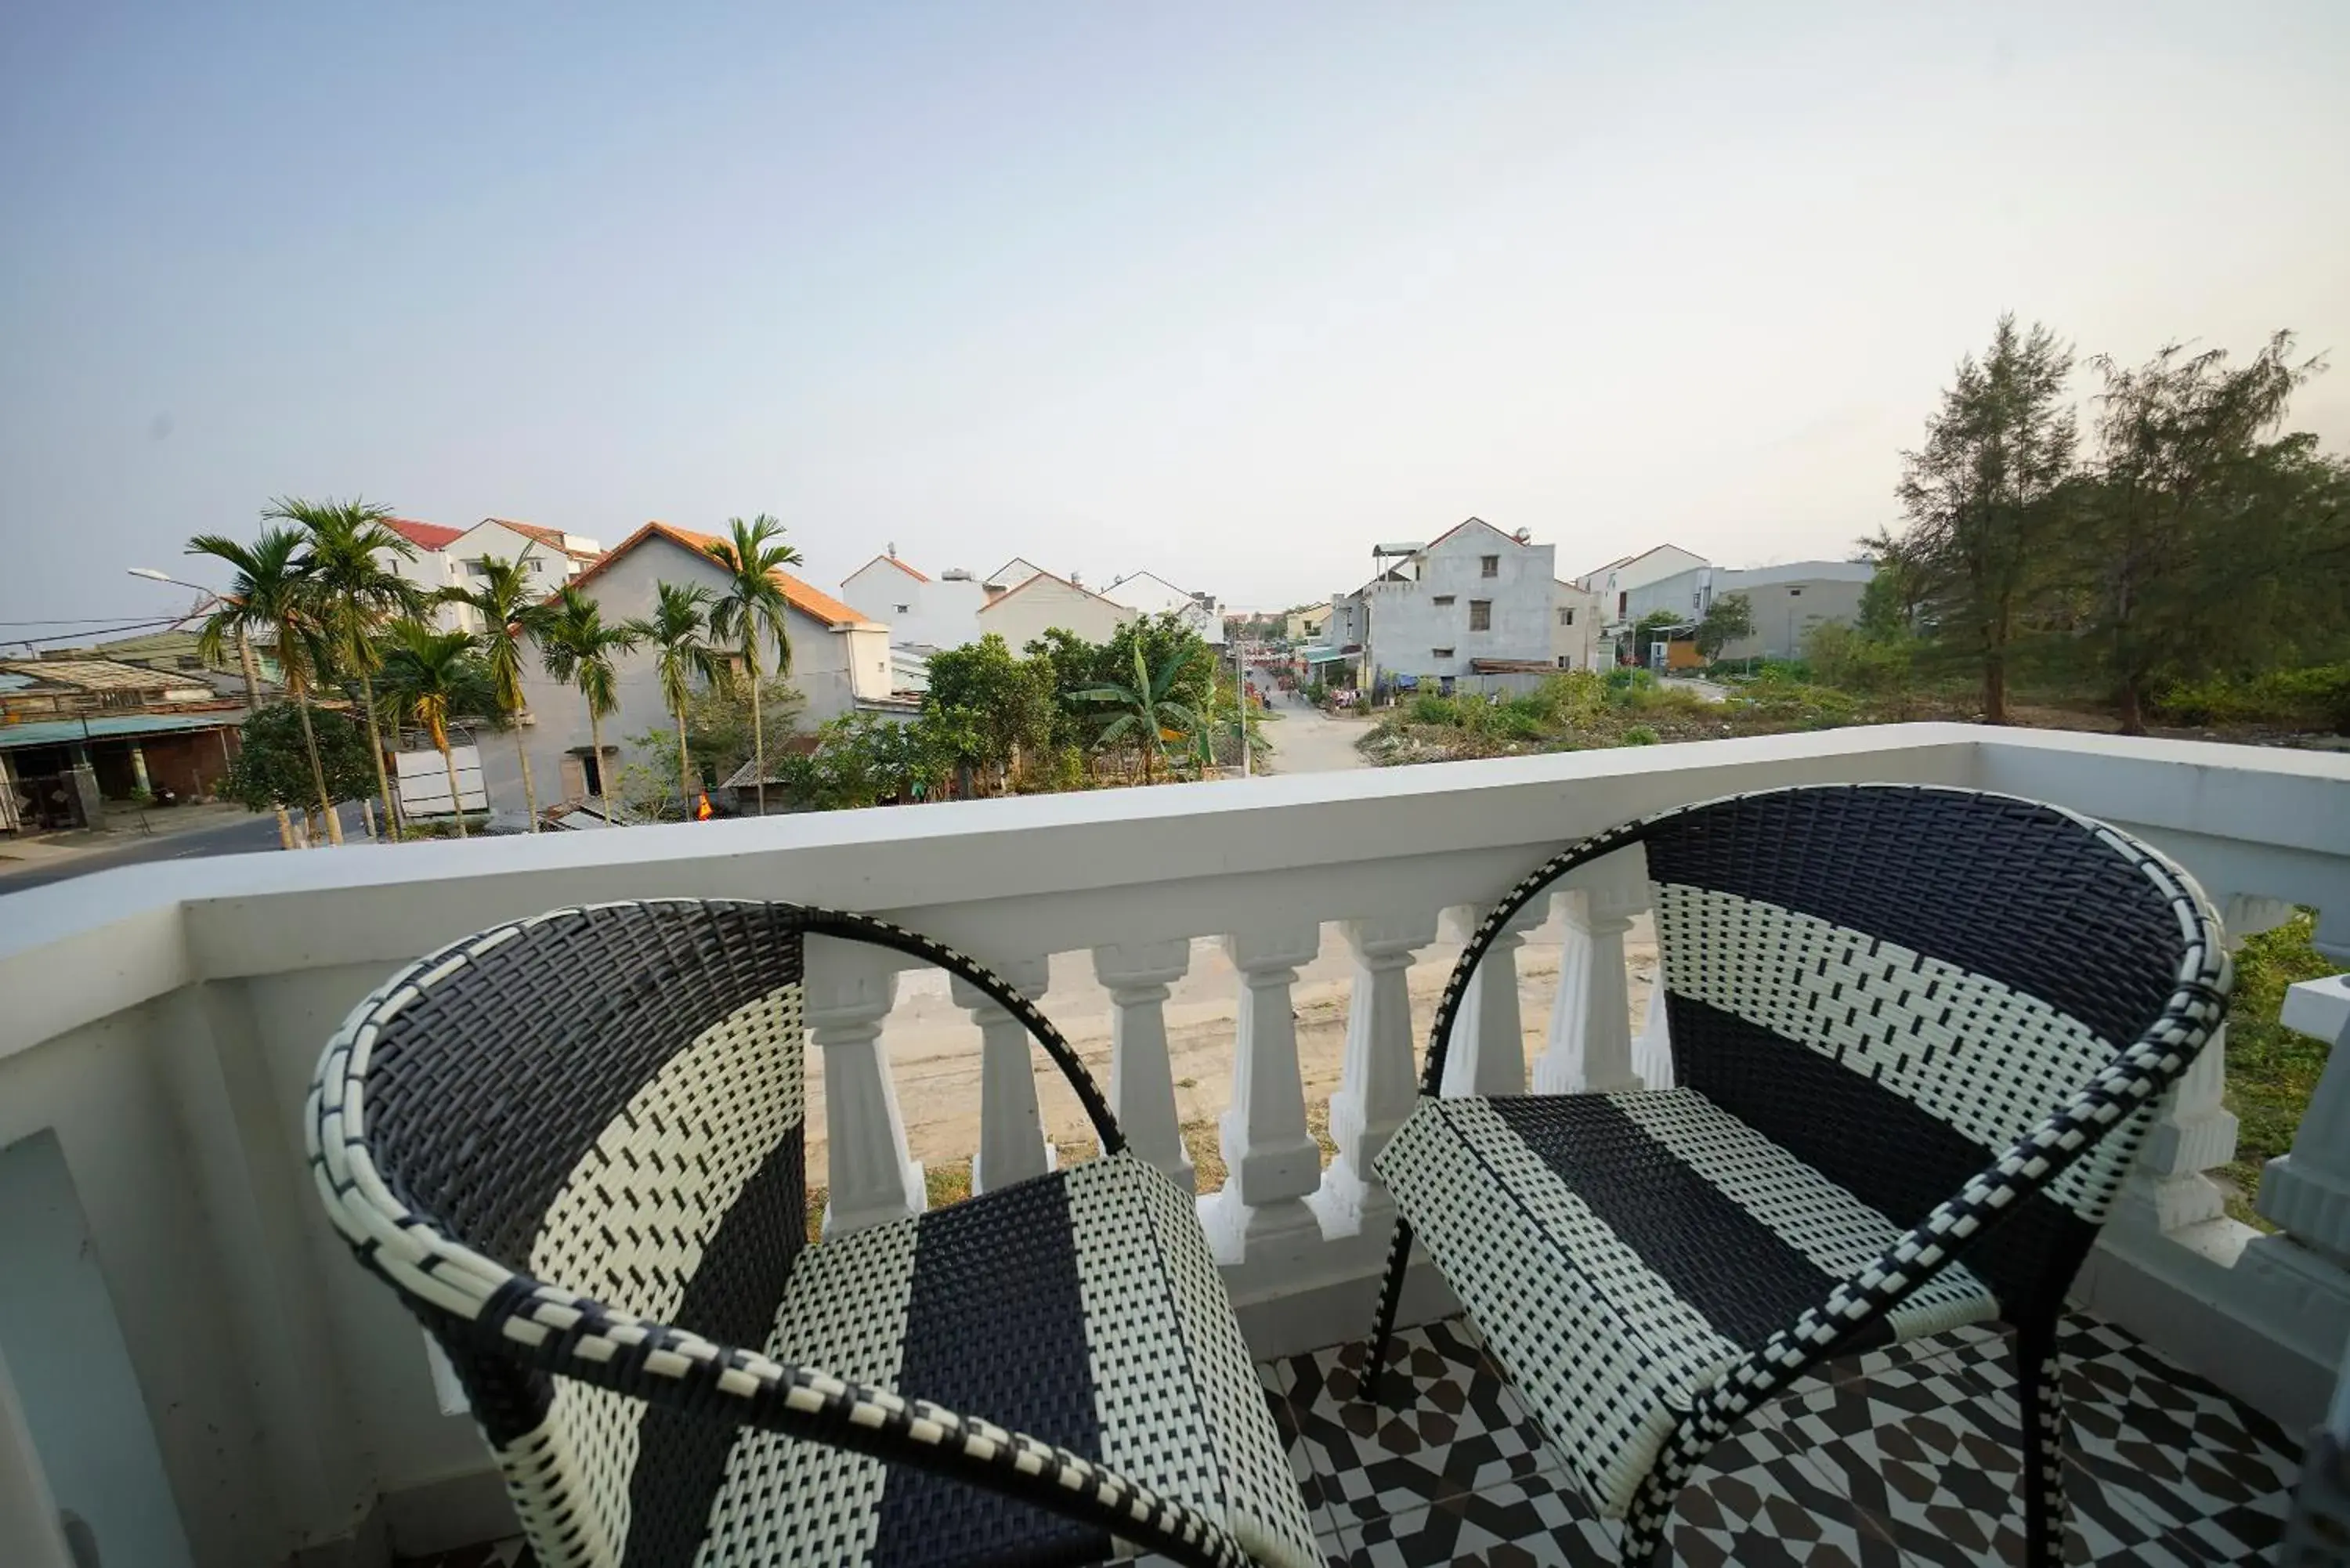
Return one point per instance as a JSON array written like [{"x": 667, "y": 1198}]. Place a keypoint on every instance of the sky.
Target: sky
[{"x": 1225, "y": 292}]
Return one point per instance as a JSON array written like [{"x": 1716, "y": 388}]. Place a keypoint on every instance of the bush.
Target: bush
[
  {"x": 1843, "y": 657},
  {"x": 1780, "y": 700},
  {"x": 1641, "y": 736},
  {"x": 1427, "y": 708},
  {"x": 2317, "y": 698},
  {"x": 1627, "y": 678}
]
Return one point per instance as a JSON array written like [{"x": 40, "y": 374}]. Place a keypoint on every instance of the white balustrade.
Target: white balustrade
[
  {"x": 1011, "y": 1142},
  {"x": 1273, "y": 1165},
  {"x": 1652, "y": 1048},
  {"x": 1488, "y": 1052},
  {"x": 1376, "y": 1085},
  {"x": 872, "y": 1177},
  {"x": 1589, "y": 1049},
  {"x": 1141, "y": 1078}
]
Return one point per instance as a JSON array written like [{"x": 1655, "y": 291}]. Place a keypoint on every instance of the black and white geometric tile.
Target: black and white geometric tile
[{"x": 1903, "y": 1457}]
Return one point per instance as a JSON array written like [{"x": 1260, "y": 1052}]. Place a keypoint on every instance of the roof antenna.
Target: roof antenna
[{"x": 893, "y": 549}]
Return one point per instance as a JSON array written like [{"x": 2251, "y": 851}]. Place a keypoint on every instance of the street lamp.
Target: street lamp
[{"x": 243, "y": 641}]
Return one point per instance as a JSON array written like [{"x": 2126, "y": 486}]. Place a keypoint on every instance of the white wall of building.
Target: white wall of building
[
  {"x": 1786, "y": 602},
  {"x": 1424, "y": 628},
  {"x": 1043, "y": 601},
  {"x": 921, "y": 612},
  {"x": 1573, "y": 626},
  {"x": 1154, "y": 595},
  {"x": 1615, "y": 582}
]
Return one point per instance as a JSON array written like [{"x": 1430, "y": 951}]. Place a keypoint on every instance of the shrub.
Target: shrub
[
  {"x": 1427, "y": 708},
  {"x": 1780, "y": 700},
  {"x": 2317, "y": 697},
  {"x": 1641, "y": 736}
]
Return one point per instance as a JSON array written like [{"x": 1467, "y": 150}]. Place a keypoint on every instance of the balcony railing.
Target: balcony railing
[{"x": 157, "y": 1027}]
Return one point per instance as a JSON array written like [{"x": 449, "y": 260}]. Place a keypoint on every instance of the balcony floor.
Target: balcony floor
[{"x": 1896, "y": 1458}]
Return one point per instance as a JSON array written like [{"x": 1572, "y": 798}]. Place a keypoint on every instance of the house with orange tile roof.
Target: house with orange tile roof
[
  {"x": 840, "y": 663},
  {"x": 446, "y": 558}
]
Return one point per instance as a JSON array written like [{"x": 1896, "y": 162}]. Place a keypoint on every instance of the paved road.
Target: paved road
[
  {"x": 1308, "y": 741},
  {"x": 241, "y": 837}
]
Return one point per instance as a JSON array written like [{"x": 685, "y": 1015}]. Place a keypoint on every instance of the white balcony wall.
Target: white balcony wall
[{"x": 162, "y": 1021}]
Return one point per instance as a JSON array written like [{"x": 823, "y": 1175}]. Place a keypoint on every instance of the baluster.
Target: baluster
[
  {"x": 1141, "y": 1078},
  {"x": 1590, "y": 1043},
  {"x": 872, "y": 1175},
  {"x": 1652, "y": 1052},
  {"x": 1012, "y": 1143},
  {"x": 1488, "y": 1053},
  {"x": 2306, "y": 1192},
  {"x": 1274, "y": 1161},
  {"x": 1376, "y": 1088}
]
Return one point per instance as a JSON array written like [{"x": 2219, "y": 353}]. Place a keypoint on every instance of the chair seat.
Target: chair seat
[
  {"x": 1081, "y": 1307},
  {"x": 1621, "y": 1252}
]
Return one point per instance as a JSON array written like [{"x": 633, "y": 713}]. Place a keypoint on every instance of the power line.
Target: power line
[
  {"x": 98, "y": 632},
  {"x": 78, "y": 619}
]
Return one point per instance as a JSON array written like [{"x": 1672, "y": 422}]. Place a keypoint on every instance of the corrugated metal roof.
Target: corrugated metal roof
[
  {"x": 100, "y": 674},
  {"x": 61, "y": 731}
]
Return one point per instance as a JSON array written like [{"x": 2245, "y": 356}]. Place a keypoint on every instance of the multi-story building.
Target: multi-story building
[
  {"x": 923, "y": 613},
  {"x": 1784, "y": 602},
  {"x": 453, "y": 558},
  {"x": 1474, "y": 610}
]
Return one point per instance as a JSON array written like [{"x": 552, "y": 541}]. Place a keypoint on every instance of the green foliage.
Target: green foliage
[
  {"x": 1730, "y": 617},
  {"x": 509, "y": 605},
  {"x": 1641, "y": 735},
  {"x": 1145, "y": 711},
  {"x": 272, "y": 768},
  {"x": 1427, "y": 708},
  {"x": 1792, "y": 704},
  {"x": 1648, "y": 630},
  {"x": 2272, "y": 1071},
  {"x": 426, "y": 678},
  {"x": 1848, "y": 657},
  {"x": 2314, "y": 698},
  {"x": 718, "y": 726},
  {"x": 577, "y": 647},
  {"x": 986, "y": 705},
  {"x": 865, "y": 759}
]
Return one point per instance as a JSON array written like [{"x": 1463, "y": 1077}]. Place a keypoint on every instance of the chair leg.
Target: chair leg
[
  {"x": 1390, "y": 1294},
  {"x": 2040, "y": 1401}
]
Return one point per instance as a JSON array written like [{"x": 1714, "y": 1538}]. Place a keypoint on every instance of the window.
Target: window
[
  {"x": 1439, "y": 652},
  {"x": 1444, "y": 601},
  {"x": 1489, "y": 566},
  {"x": 905, "y": 610},
  {"x": 1564, "y": 662},
  {"x": 1795, "y": 593},
  {"x": 1566, "y": 618},
  {"x": 1480, "y": 614},
  {"x": 1621, "y": 600}
]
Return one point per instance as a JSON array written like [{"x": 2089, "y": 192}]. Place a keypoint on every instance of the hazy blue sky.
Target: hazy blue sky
[{"x": 1227, "y": 292}]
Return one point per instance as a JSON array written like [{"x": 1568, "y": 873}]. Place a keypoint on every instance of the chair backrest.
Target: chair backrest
[
  {"x": 609, "y": 1100},
  {"x": 1895, "y": 983}
]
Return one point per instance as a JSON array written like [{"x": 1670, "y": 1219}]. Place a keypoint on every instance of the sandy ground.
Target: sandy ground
[
  {"x": 934, "y": 1048},
  {"x": 1308, "y": 741}
]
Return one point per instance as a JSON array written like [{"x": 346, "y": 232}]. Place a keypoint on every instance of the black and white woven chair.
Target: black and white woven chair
[
  {"x": 573, "y": 1145},
  {"x": 1916, "y": 1036}
]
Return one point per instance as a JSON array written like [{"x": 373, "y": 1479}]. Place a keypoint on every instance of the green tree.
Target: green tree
[
  {"x": 578, "y": 649},
  {"x": 719, "y": 725},
  {"x": 1648, "y": 630},
  {"x": 511, "y": 611},
  {"x": 429, "y": 676},
  {"x": 750, "y": 614},
  {"x": 1148, "y": 713},
  {"x": 272, "y": 769},
  {"x": 1984, "y": 495},
  {"x": 1728, "y": 618},
  {"x": 269, "y": 598},
  {"x": 2179, "y": 440},
  {"x": 683, "y": 656},
  {"x": 991, "y": 704},
  {"x": 356, "y": 595}
]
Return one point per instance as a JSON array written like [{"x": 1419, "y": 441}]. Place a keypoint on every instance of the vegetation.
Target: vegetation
[
  {"x": 357, "y": 597},
  {"x": 719, "y": 726},
  {"x": 685, "y": 656},
  {"x": 511, "y": 613},
  {"x": 578, "y": 647},
  {"x": 277, "y": 750},
  {"x": 429, "y": 677},
  {"x": 750, "y": 614},
  {"x": 271, "y": 599},
  {"x": 1146, "y": 712},
  {"x": 1728, "y": 618},
  {"x": 2272, "y": 1071}
]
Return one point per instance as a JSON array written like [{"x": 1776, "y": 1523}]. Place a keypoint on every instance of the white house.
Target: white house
[
  {"x": 840, "y": 661},
  {"x": 1154, "y": 595},
  {"x": 1574, "y": 641},
  {"x": 1785, "y": 601},
  {"x": 1009, "y": 575},
  {"x": 1039, "y": 601},
  {"x": 1620, "y": 584},
  {"x": 921, "y": 612},
  {"x": 1475, "y": 609},
  {"x": 452, "y": 557}
]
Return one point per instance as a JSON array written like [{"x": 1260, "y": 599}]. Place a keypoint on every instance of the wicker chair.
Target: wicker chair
[
  {"x": 574, "y": 1146},
  {"x": 1916, "y": 1035}
]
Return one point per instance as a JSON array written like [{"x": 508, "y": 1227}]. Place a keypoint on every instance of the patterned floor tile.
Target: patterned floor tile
[
  {"x": 1458, "y": 1428},
  {"x": 507, "y": 1553},
  {"x": 1523, "y": 1524}
]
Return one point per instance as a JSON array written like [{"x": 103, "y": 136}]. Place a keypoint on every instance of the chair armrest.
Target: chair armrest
[{"x": 578, "y": 1337}]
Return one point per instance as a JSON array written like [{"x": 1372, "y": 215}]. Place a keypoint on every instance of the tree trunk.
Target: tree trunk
[
  {"x": 251, "y": 706},
  {"x": 319, "y": 771},
  {"x": 375, "y": 750},
  {"x": 521, "y": 755},
  {"x": 449, "y": 763},
  {"x": 2130, "y": 706},
  {"x": 758, "y": 742},
  {"x": 684, "y": 776},
  {"x": 603, "y": 784}
]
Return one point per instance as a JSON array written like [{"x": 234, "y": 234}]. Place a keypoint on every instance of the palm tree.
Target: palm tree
[
  {"x": 509, "y": 605},
  {"x": 356, "y": 594},
  {"x": 751, "y": 612},
  {"x": 271, "y": 596},
  {"x": 425, "y": 673},
  {"x": 1150, "y": 715},
  {"x": 678, "y": 630},
  {"x": 577, "y": 647}
]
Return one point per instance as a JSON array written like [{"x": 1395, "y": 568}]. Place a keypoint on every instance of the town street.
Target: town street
[{"x": 1308, "y": 741}]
